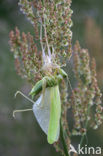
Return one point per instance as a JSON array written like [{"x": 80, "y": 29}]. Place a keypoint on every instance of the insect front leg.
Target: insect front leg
[
  {"x": 63, "y": 73},
  {"x": 36, "y": 89},
  {"x": 40, "y": 86},
  {"x": 44, "y": 84}
]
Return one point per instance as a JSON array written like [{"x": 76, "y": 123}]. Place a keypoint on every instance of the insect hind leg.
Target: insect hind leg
[
  {"x": 21, "y": 110},
  {"x": 26, "y": 97}
]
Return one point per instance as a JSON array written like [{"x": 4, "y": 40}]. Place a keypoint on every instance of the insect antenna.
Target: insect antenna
[
  {"x": 49, "y": 52},
  {"x": 43, "y": 51},
  {"x": 69, "y": 83}
]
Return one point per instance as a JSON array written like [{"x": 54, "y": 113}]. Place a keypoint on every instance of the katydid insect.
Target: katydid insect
[{"x": 47, "y": 108}]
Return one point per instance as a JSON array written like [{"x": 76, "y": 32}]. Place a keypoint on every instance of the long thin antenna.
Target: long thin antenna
[
  {"x": 49, "y": 52},
  {"x": 21, "y": 110},
  {"x": 43, "y": 52},
  {"x": 19, "y": 92},
  {"x": 69, "y": 83}
]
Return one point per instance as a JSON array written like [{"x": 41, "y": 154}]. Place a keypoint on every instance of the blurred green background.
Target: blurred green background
[{"x": 22, "y": 136}]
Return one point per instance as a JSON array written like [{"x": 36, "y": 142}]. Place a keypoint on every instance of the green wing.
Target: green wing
[
  {"x": 47, "y": 111},
  {"x": 55, "y": 113}
]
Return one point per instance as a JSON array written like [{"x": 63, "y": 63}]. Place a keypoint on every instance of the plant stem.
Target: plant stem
[
  {"x": 82, "y": 139},
  {"x": 86, "y": 124},
  {"x": 63, "y": 140}
]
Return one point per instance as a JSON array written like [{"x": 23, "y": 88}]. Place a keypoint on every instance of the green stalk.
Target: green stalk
[
  {"x": 86, "y": 124},
  {"x": 63, "y": 140}
]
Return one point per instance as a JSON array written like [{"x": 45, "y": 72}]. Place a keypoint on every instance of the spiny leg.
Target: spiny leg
[
  {"x": 64, "y": 74},
  {"x": 19, "y": 92},
  {"x": 46, "y": 80},
  {"x": 21, "y": 110},
  {"x": 24, "y": 110},
  {"x": 43, "y": 90}
]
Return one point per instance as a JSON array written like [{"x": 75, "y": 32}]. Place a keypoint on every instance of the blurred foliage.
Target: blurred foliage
[
  {"x": 23, "y": 136},
  {"x": 94, "y": 42}
]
